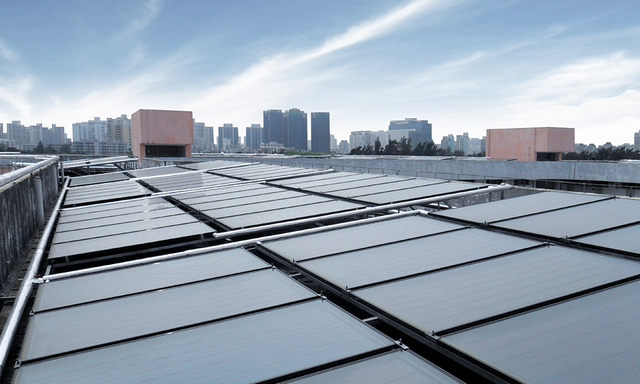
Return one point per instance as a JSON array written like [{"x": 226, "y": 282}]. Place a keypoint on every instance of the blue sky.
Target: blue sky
[{"x": 464, "y": 65}]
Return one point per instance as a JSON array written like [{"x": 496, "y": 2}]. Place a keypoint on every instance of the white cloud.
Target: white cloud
[
  {"x": 150, "y": 11},
  {"x": 7, "y": 53},
  {"x": 575, "y": 83},
  {"x": 599, "y": 120},
  {"x": 284, "y": 75}
]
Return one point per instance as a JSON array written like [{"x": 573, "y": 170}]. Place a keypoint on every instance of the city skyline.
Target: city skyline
[{"x": 464, "y": 65}]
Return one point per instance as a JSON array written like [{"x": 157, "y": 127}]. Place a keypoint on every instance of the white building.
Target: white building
[{"x": 365, "y": 138}]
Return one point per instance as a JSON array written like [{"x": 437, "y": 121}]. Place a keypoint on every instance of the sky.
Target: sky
[{"x": 463, "y": 65}]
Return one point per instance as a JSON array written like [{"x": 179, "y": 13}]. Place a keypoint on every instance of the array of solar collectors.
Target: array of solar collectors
[
  {"x": 377, "y": 189},
  {"x": 119, "y": 225},
  {"x": 471, "y": 289},
  {"x": 224, "y": 316},
  {"x": 481, "y": 291}
]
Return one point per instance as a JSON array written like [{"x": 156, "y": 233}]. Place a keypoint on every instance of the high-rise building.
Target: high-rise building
[
  {"x": 296, "y": 129},
  {"x": 202, "y": 138},
  {"x": 419, "y": 131},
  {"x": 227, "y": 137},
  {"x": 636, "y": 141},
  {"x": 320, "y": 132},
  {"x": 343, "y": 147},
  {"x": 449, "y": 143},
  {"x": 119, "y": 129},
  {"x": 274, "y": 130},
  {"x": 462, "y": 143},
  {"x": 92, "y": 130},
  {"x": 253, "y": 136}
]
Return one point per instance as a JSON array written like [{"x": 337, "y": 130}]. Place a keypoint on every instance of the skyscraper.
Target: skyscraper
[
  {"x": 227, "y": 137},
  {"x": 320, "y": 132},
  {"x": 274, "y": 130},
  {"x": 296, "y": 129},
  {"x": 253, "y": 136}
]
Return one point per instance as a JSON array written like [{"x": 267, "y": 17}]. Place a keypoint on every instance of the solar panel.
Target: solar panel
[
  {"x": 297, "y": 200},
  {"x": 124, "y": 318},
  {"x": 102, "y": 192},
  {"x": 459, "y": 296},
  {"x": 123, "y": 240},
  {"x": 399, "y": 259},
  {"x": 187, "y": 181},
  {"x": 518, "y": 206},
  {"x": 116, "y": 229},
  {"x": 107, "y": 210},
  {"x": 286, "y": 214},
  {"x": 433, "y": 190},
  {"x": 205, "y": 165},
  {"x": 395, "y": 367},
  {"x": 203, "y": 195},
  {"x": 592, "y": 339},
  {"x": 146, "y": 277},
  {"x": 624, "y": 239},
  {"x": 238, "y": 350},
  {"x": 400, "y": 184},
  {"x": 242, "y": 198},
  {"x": 312, "y": 180},
  {"x": 156, "y": 171},
  {"x": 117, "y": 218},
  {"x": 339, "y": 186},
  {"x": 360, "y": 236},
  {"x": 579, "y": 220},
  {"x": 111, "y": 206},
  {"x": 97, "y": 179}
]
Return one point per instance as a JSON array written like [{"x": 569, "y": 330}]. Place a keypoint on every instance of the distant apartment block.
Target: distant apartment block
[
  {"x": 365, "y": 138},
  {"x": 320, "y": 132},
  {"x": 202, "y": 138},
  {"x": 108, "y": 148},
  {"x": 636, "y": 141},
  {"x": 253, "y": 136},
  {"x": 28, "y": 137},
  {"x": 419, "y": 131},
  {"x": 112, "y": 130},
  {"x": 530, "y": 144},
  {"x": 334, "y": 144},
  {"x": 161, "y": 133},
  {"x": 343, "y": 147},
  {"x": 228, "y": 137}
]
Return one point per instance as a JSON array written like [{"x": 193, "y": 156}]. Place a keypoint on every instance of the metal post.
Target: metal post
[{"x": 39, "y": 201}]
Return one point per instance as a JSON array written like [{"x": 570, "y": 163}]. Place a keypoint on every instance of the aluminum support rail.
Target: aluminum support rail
[
  {"x": 364, "y": 211},
  {"x": 243, "y": 243},
  {"x": 20, "y": 302},
  {"x": 17, "y": 174}
]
